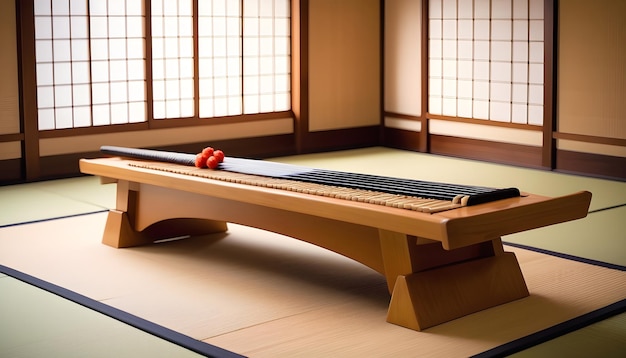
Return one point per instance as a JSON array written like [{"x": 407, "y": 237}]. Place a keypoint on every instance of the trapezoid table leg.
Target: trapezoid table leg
[{"x": 427, "y": 298}]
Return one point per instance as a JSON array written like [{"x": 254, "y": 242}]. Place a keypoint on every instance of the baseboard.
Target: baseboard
[
  {"x": 66, "y": 165},
  {"x": 401, "y": 139},
  {"x": 603, "y": 166},
  {"x": 253, "y": 147},
  {"x": 595, "y": 165},
  {"x": 11, "y": 171},
  {"x": 495, "y": 152},
  {"x": 340, "y": 139}
]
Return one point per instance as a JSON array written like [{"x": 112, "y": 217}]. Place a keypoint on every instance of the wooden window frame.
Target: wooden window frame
[
  {"x": 31, "y": 134},
  {"x": 26, "y": 53}
]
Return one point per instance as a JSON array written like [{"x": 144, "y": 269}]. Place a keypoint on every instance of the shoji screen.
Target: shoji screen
[
  {"x": 172, "y": 59},
  {"x": 486, "y": 60},
  {"x": 90, "y": 63},
  {"x": 244, "y": 57},
  {"x": 210, "y": 58}
]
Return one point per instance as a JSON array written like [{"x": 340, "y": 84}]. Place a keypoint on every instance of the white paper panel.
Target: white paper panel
[{"x": 496, "y": 59}]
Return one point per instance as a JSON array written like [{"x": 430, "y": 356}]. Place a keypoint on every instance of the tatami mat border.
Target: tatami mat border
[
  {"x": 566, "y": 256},
  {"x": 563, "y": 328},
  {"x": 555, "y": 331},
  {"x": 169, "y": 335},
  {"x": 214, "y": 351},
  {"x": 54, "y": 218}
]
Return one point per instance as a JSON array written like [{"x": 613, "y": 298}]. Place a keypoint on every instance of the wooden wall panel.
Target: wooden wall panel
[
  {"x": 603, "y": 166},
  {"x": 9, "y": 100},
  {"x": 504, "y": 153},
  {"x": 591, "y": 68},
  {"x": 344, "y": 64}
]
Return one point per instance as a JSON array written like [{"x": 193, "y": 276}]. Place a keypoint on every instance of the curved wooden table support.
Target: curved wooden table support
[
  {"x": 120, "y": 233},
  {"x": 438, "y": 267}
]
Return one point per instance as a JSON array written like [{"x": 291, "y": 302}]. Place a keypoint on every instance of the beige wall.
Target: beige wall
[
  {"x": 591, "y": 76},
  {"x": 344, "y": 64},
  {"x": 592, "y": 72},
  {"x": 345, "y": 82},
  {"x": 403, "y": 81},
  {"x": 403, "y": 72}
]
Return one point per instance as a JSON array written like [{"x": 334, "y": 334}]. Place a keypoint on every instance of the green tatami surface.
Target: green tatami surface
[
  {"x": 35, "y": 323},
  {"x": 53, "y": 199}
]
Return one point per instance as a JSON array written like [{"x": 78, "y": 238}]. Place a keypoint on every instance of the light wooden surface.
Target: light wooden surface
[
  {"x": 469, "y": 274},
  {"x": 297, "y": 304},
  {"x": 264, "y": 295},
  {"x": 501, "y": 217}
]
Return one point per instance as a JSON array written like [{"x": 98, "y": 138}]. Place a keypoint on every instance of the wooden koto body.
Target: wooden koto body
[{"x": 438, "y": 266}]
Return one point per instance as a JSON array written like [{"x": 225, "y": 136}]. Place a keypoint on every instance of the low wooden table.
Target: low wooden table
[{"x": 438, "y": 267}]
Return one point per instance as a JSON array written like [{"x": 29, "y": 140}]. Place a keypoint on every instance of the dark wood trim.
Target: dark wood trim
[
  {"x": 402, "y": 139},
  {"x": 424, "y": 140},
  {"x": 27, "y": 87},
  {"x": 243, "y": 118},
  {"x": 163, "y": 124},
  {"x": 66, "y": 165},
  {"x": 596, "y": 165},
  {"x": 590, "y": 139},
  {"x": 485, "y": 122},
  {"x": 149, "y": 70},
  {"x": 402, "y": 116},
  {"x": 11, "y": 171},
  {"x": 495, "y": 152},
  {"x": 196, "y": 57},
  {"x": 14, "y": 137},
  {"x": 254, "y": 147},
  {"x": 349, "y": 138},
  {"x": 80, "y": 131},
  {"x": 63, "y": 166},
  {"x": 381, "y": 70},
  {"x": 300, "y": 71},
  {"x": 550, "y": 83}
]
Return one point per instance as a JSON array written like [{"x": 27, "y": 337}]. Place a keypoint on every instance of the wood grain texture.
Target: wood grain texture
[
  {"x": 265, "y": 295},
  {"x": 438, "y": 266}
]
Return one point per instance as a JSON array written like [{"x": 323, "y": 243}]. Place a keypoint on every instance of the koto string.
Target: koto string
[{"x": 472, "y": 195}]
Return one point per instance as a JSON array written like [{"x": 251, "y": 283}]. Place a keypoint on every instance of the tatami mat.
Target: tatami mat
[
  {"x": 53, "y": 199},
  {"x": 305, "y": 297},
  {"x": 604, "y": 339},
  {"x": 265, "y": 295},
  {"x": 600, "y": 236},
  {"x": 36, "y": 323}
]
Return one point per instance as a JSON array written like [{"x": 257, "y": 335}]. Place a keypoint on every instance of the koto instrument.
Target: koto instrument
[
  {"x": 403, "y": 193},
  {"x": 438, "y": 245}
]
